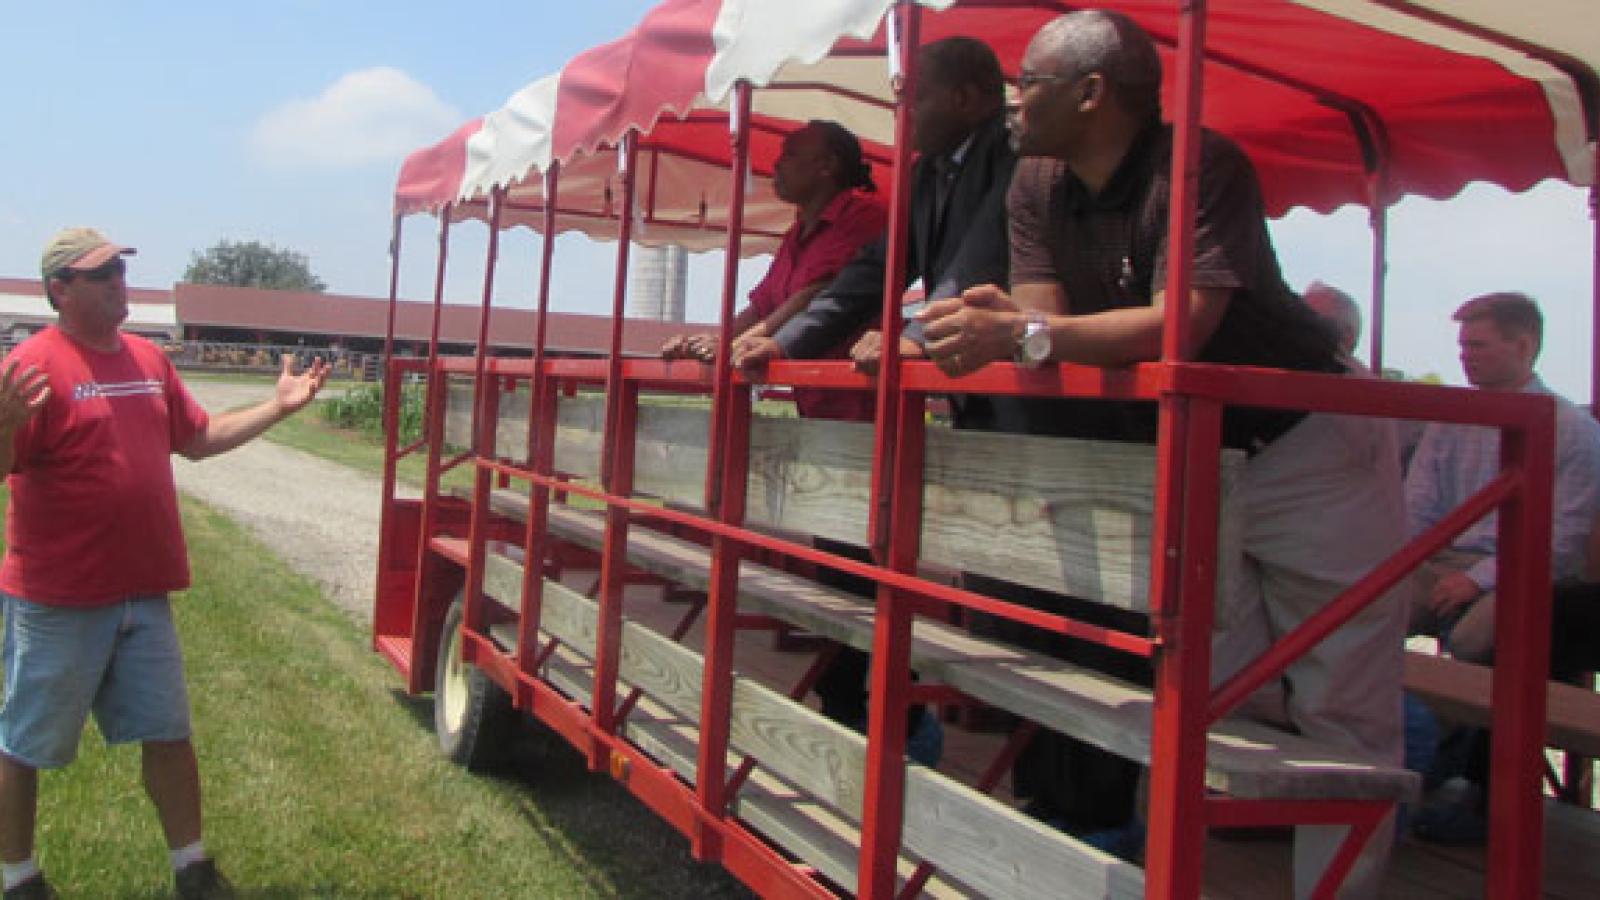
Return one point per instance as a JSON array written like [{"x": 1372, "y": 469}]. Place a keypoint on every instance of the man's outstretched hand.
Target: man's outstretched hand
[
  {"x": 296, "y": 389},
  {"x": 21, "y": 395}
]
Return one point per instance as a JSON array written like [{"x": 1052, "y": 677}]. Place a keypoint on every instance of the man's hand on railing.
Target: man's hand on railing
[
  {"x": 868, "y": 352},
  {"x": 754, "y": 353},
  {"x": 702, "y": 347}
]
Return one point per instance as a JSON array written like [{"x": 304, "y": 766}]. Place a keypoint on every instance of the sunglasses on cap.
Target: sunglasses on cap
[{"x": 98, "y": 275}]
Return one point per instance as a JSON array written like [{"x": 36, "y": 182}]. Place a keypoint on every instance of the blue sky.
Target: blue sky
[{"x": 173, "y": 125}]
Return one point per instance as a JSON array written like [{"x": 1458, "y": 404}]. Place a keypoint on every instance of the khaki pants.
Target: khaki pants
[
  {"x": 1467, "y": 632},
  {"x": 1322, "y": 506}
]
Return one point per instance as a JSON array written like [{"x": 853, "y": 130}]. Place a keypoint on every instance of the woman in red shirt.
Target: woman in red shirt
[{"x": 822, "y": 172}]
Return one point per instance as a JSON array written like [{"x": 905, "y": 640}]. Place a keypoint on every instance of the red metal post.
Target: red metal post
[
  {"x": 481, "y": 357},
  {"x": 883, "y": 806},
  {"x": 616, "y": 473},
  {"x": 627, "y": 164},
  {"x": 906, "y": 37},
  {"x": 541, "y": 331},
  {"x": 391, "y": 382},
  {"x": 394, "y": 290},
  {"x": 485, "y": 409},
  {"x": 1185, "y": 178},
  {"x": 433, "y": 430},
  {"x": 655, "y": 182},
  {"x": 717, "y": 679},
  {"x": 535, "y": 538},
  {"x": 722, "y": 379},
  {"x": 882, "y": 811},
  {"x": 1183, "y": 574},
  {"x": 1522, "y": 660},
  {"x": 438, "y": 286},
  {"x": 614, "y": 561},
  {"x": 727, "y": 475},
  {"x": 1378, "y": 217},
  {"x": 1189, "y": 437},
  {"x": 541, "y": 443},
  {"x": 1594, "y": 293}
]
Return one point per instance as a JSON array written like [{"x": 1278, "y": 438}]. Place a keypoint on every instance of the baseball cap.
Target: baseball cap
[{"x": 79, "y": 249}]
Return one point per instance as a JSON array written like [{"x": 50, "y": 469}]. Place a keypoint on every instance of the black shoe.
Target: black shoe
[
  {"x": 1454, "y": 824},
  {"x": 35, "y": 888},
  {"x": 202, "y": 881}
]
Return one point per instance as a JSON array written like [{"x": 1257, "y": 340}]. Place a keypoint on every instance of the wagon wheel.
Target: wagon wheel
[{"x": 472, "y": 715}]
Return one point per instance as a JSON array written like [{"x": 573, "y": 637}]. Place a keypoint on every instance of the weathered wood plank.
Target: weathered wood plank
[
  {"x": 565, "y": 613},
  {"x": 667, "y": 671},
  {"x": 818, "y": 754},
  {"x": 807, "y": 829},
  {"x": 1243, "y": 758},
  {"x": 1461, "y": 692},
  {"x": 1067, "y": 516},
  {"x": 976, "y": 839},
  {"x": 984, "y": 843}
]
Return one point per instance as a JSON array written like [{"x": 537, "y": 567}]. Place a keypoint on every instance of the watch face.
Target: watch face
[{"x": 1036, "y": 346}]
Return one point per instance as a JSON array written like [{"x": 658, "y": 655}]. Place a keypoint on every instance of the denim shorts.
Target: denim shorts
[{"x": 120, "y": 661}]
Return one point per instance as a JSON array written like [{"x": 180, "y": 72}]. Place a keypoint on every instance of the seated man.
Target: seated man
[
  {"x": 1339, "y": 310},
  {"x": 1321, "y": 493},
  {"x": 822, "y": 172},
  {"x": 1462, "y": 817},
  {"x": 1500, "y": 338}
]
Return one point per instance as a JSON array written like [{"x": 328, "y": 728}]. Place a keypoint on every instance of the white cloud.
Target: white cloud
[{"x": 367, "y": 116}]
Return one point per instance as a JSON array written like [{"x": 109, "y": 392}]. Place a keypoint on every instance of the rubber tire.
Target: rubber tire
[{"x": 472, "y": 716}]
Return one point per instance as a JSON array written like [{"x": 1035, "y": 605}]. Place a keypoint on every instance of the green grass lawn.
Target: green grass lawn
[{"x": 323, "y": 780}]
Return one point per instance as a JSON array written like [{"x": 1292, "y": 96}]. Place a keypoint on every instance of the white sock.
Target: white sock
[
  {"x": 184, "y": 857},
  {"x": 17, "y": 873}
]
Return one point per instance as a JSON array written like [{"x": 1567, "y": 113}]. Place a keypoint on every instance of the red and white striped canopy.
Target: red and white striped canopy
[{"x": 1443, "y": 92}]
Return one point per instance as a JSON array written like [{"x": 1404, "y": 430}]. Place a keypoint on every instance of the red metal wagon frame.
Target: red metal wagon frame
[{"x": 1191, "y": 398}]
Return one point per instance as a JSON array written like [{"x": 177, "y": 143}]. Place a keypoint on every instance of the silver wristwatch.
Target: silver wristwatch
[{"x": 1033, "y": 344}]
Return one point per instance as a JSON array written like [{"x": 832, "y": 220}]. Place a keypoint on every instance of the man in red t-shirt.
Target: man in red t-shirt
[
  {"x": 89, "y": 418},
  {"x": 821, "y": 171}
]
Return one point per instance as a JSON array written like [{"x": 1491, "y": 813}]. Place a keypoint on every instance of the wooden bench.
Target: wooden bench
[
  {"x": 1461, "y": 692},
  {"x": 980, "y": 846}
]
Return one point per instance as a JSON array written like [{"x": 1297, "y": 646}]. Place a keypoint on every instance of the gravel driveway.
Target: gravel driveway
[{"x": 319, "y": 517}]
